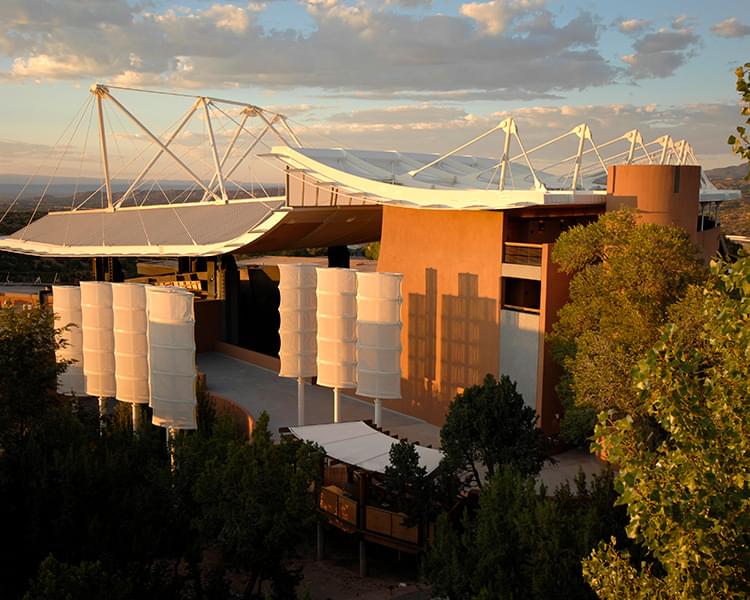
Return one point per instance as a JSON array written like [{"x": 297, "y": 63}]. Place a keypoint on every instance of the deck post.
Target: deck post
[
  {"x": 102, "y": 413},
  {"x": 336, "y": 405},
  {"x": 362, "y": 558},
  {"x": 319, "y": 541},
  {"x": 137, "y": 418},
  {"x": 378, "y": 412},
  {"x": 300, "y": 401}
]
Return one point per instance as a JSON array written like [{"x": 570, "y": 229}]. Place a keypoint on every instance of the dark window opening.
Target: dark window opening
[{"x": 521, "y": 294}]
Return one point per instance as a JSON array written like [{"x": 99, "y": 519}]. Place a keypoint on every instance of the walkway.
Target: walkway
[{"x": 256, "y": 389}]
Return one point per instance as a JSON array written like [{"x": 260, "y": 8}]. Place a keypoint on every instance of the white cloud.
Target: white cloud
[
  {"x": 228, "y": 17},
  {"x": 632, "y": 26},
  {"x": 495, "y": 16},
  {"x": 352, "y": 48},
  {"x": 731, "y": 28}
]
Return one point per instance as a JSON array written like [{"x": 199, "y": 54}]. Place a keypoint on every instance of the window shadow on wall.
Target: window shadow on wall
[{"x": 469, "y": 340}]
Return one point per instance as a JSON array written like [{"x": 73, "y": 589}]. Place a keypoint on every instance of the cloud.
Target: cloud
[
  {"x": 495, "y": 16},
  {"x": 662, "y": 52},
  {"x": 731, "y": 28},
  {"x": 351, "y": 48},
  {"x": 633, "y": 26}
]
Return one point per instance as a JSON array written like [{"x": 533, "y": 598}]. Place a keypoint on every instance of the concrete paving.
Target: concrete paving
[{"x": 256, "y": 389}]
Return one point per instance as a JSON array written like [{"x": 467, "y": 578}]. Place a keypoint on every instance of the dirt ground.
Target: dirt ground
[{"x": 337, "y": 576}]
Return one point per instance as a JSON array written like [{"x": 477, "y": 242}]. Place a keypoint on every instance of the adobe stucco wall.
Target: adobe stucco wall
[{"x": 451, "y": 263}]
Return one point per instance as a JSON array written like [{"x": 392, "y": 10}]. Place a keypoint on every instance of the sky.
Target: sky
[{"x": 413, "y": 75}]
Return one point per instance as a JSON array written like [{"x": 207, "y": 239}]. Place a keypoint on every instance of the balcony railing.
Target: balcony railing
[
  {"x": 337, "y": 503},
  {"x": 519, "y": 253}
]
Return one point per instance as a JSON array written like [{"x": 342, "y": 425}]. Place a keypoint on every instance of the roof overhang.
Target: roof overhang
[
  {"x": 360, "y": 445},
  {"x": 432, "y": 196},
  {"x": 189, "y": 229}
]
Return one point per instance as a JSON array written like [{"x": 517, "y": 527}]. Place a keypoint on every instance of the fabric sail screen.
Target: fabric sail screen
[
  {"x": 337, "y": 327},
  {"x": 298, "y": 326},
  {"x": 131, "y": 342},
  {"x": 171, "y": 349},
  {"x": 98, "y": 338},
  {"x": 379, "y": 335},
  {"x": 66, "y": 304}
]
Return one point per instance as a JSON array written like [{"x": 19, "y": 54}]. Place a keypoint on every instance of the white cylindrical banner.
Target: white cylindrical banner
[
  {"x": 98, "y": 338},
  {"x": 298, "y": 328},
  {"x": 66, "y": 304},
  {"x": 337, "y": 327},
  {"x": 379, "y": 335},
  {"x": 131, "y": 342},
  {"x": 171, "y": 346}
]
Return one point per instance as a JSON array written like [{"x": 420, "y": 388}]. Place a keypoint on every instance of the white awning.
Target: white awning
[
  {"x": 189, "y": 229},
  {"x": 359, "y": 445}
]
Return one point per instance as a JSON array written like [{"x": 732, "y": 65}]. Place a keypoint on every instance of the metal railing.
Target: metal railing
[{"x": 519, "y": 253}]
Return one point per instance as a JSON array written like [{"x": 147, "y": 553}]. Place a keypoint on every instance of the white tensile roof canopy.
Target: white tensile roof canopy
[
  {"x": 225, "y": 215},
  {"x": 358, "y": 444}
]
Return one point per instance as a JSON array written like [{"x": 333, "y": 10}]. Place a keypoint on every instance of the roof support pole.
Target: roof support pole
[
  {"x": 152, "y": 162},
  {"x": 290, "y": 131},
  {"x": 247, "y": 151},
  {"x": 634, "y": 135},
  {"x": 230, "y": 147},
  {"x": 270, "y": 123},
  {"x": 580, "y": 131},
  {"x": 416, "y": 172},
  {"x": 510, "y": 125},
  {"x": 666, "y": 141},
  {"x": 214, "y": 153},
  {"x": 159, "y": 143},
  {"x": 100, "y": 91}
]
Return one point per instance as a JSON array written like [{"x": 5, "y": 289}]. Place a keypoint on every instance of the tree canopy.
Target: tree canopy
[
  {"x": 28, "y": 367},
  {"x": 625, "y": 276},
  {"x": 522, "y": 542},
  {"x": 686, "y": 481},
  {"x": 740, "y": 141},
  {"x": 488, "y": 426}
]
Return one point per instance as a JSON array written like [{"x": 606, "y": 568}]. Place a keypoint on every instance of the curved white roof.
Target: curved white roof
[
  {"x": 189, "y": 229},
  {"x": 358, "y": 444}
]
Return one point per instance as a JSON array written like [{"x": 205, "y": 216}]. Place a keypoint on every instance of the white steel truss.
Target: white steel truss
[{"x": 215, "y": 188}]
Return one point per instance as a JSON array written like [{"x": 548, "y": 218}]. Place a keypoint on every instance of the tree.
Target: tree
[
  {"x": 686, "y": 482},
  {"x": 521, "y": 542},
  {"x": 488, "y": 426},
  {"x": 60, "y": 581},
  {"x": 741, "y": 141},
  {"x": 412, "y": 490},
  {"x": 28, "y": 367},
  {"x": 625, "y": 276},
  {"x": 256, "y": 504}
]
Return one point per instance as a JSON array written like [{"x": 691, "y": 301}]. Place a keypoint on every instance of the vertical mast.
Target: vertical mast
[{"x": 100, "y": 91}]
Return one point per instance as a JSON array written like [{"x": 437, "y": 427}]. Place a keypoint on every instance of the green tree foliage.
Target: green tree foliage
[
  {"x": 686, "y": 482},
  {"x": 255, "y": 502},
  {"x": 488, "y": 426},
  {"x": 521, "y": 542},
  {"x": 109, "y": 508},
  {"x": 372, "y": 250},
  {"x": 28, "y": 369},
  {"x": 408, "y": 485},
  {"x": 740, "y": 142},
  {"x": 625, "y": 276},
  {"x": 60, "y": 581}
]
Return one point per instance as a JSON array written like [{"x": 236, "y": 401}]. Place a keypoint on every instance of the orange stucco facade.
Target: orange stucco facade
[
  {"x": 450, "y": 262},
  {"x": 454, "y": 278}
]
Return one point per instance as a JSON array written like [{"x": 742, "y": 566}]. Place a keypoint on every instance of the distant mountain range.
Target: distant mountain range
[
  {"x": 65, "y": 187},
  {"x": 734, "y": 172}
]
